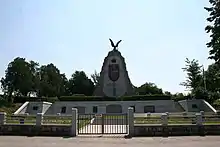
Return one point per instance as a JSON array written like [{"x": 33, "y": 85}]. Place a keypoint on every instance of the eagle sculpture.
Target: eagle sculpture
[{"x": 113, "y": 45}]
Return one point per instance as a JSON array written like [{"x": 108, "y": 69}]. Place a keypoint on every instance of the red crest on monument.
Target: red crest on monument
[{"x": 113, "y": 72}]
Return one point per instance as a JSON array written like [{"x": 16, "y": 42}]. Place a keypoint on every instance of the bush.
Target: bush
[
  {"x": 23, "y": 99},
  {"x": 86, "y": 98},
  {"x": 124, "y": 98}
]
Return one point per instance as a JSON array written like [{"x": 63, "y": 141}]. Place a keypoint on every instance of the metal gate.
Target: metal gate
[{"x": 102, "y": 124}]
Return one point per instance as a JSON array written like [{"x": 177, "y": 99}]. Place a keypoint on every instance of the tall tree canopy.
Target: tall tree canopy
[
  {"x": 18, "y": 77},
  {"x": 214, "y": 29},
  {"x": 212, "y": 75},
  {"x": 79, "y": 83},
  {"x": 148, "y": 88},
  {"x": 193, "y": 72},
  {"x": 51, "y": 81}
]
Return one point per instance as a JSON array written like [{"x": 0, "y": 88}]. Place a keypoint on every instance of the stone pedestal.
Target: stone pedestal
[
  {"x": 74, "y": 129},
  {"x": 130, "y": 121},
  {"x": 164, "y": 119},
  {"x": 114, "y": 80},
  {"x": 199, "y": 120},
  {"x": 2, "y": 118},
  {"x": 39, "y": 119}
]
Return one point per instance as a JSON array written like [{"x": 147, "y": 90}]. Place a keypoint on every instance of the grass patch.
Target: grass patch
[
  {"x": 13, "y": 119},
  {"x": 83, "y": 123},
  {"x": 57, "y": 119}
]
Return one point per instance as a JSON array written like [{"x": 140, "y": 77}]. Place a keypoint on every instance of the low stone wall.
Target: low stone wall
[
  {"x": 33, "y": 130},
  {"x": 176, "y": 130}
]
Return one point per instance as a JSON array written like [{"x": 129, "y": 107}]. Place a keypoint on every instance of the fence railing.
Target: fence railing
[
  {"x": 39, "y": 123},
  {"x": 34, "y": 119},
  {"x": 77, "y": 122},
  {"x": 139, "y": 118},
  {"x": 19, "y": 119},
  {"x": 176, "y": 118}
]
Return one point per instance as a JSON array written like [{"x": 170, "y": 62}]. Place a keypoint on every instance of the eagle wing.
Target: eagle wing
[
  {"x": 112, "y": 43},
  {"x": 118, "y": 43}
]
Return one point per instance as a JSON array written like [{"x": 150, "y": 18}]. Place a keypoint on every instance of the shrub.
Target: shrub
[
  {"x": 124, "y": 98},
  {"x": 23, "y": 99}
]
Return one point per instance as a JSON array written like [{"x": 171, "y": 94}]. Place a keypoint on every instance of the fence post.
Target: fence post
[
  {"x": 74, "y": 129},
  {"x": 164, "y": 123},
  {"x": 167, "y": 114},
  {"x": 184, "y": 114},
  {"x": 164, "y": 119},
  {"x": 2, "y": 118},
  {"x": 39, "y": 119},
  {"x": 202, "y": 113},
  {"x": 199, "y": 123},
  {"x": 130, "y": 121},
  {"x": 199, "y": 119}
]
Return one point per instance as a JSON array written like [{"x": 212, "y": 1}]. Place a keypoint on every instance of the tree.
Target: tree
[
  {"x": 34, "y": 67},
  {"x": 201, "y": 93},
  {"x": 178, "y": 96},
  {"x": 148, "y": 88},
  {"x": 212, "y": 75},
  {"x": 194, "y": 77},
  {"x": 79, "y": 83},
  {"x": 214, "y": 30},
  {"x": 95, "y": 78},
  {"x": 51, "y": 81},
  {"x": 167, "y": 93},
  {"x": 18, "y": 78}
]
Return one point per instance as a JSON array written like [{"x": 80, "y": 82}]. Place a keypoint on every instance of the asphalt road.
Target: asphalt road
[{"x": 15, "y": 141}]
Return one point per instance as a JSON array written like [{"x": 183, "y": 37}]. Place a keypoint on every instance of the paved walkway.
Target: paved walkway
[
  {"x": 13, "y": 141},
  {"x": 108, "y": 129}
]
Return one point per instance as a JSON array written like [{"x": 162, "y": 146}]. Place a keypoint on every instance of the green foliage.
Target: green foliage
[
  {"x": 178, "y": 97},
  {"x": 18, "y": 78},
  {"x": 23, "y": 99},
  {"x": 214, "y": 29},
  {"x": 194, "y": 77},
  {"x": 200, "y": 93},
  {"x": 51, "y": 81},
  {"x": 167, "y": 93},
  {"x": 217, "y": 102},
  {"x": 79, "y": 83},
  {"x": 213, "y": 96},
  {"x": 213, "y": 78},
  {"x": 23, "y": 78},
  {"x": 148, "y": 88},
  {"x": 95, "y": 78},
  {"x": 8, "y": 107}
]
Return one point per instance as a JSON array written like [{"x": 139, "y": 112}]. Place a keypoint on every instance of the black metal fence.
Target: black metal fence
[{"x": 102, "y": 124}]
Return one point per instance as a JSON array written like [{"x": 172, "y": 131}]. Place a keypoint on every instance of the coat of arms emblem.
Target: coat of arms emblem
[{"x": 113, "y": 72}]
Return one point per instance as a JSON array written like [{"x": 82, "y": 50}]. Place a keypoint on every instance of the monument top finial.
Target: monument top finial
[{"x": 113, "y": 45}]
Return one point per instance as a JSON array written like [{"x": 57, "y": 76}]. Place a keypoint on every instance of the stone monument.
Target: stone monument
[{"x": 114, "y": 80}]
